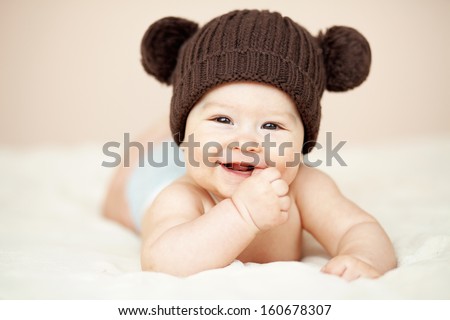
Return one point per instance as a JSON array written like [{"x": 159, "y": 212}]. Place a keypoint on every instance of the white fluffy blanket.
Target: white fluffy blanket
[{"x": 55, "y": 245}]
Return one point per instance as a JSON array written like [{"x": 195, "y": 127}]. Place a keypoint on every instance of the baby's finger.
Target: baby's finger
[
  {"x": 285, "y": 203},
  {"x": 351, "y": 274},
  {"x": 268, "y": 174},
  {"x": 257, "y": 171},
  {"x": 332, "y": 267},
  {"x": 368, "y": 272},
  {"x": 280, "y": 187}
]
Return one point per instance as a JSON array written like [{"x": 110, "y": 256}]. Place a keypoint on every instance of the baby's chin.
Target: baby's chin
[{"x": 220, "y": 192}]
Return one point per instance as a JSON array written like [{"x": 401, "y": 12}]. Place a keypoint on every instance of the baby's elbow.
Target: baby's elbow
[
  {"x": 393, "y": 262},
  {"x": 147, "y": 264},
  {"x": 152, "y": 262}
]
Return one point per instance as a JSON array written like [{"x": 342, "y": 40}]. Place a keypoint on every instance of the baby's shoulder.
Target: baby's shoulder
[
  {"x": 179, "y": 202},
  {"x": 311, "y": 182},
  {"x": 182, "y": 194}
]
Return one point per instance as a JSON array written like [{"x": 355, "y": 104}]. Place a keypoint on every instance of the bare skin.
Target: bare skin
[{"x": 257, "y": 215}]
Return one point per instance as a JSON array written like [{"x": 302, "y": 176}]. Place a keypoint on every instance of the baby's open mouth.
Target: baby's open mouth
[{"x": 239, "y": 166}]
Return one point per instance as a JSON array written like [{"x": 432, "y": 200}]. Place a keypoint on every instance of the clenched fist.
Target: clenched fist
[{"x": 262, "y": 199}]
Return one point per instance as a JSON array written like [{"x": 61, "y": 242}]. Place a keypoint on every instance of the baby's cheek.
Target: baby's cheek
[
  {"x": 289, "y": 157},
  {"x": 289, "y": 174},
  {"x": 294, "y": 158},
  {"x": 211, "y": 152},
  {"x": 289, "y": 165},
  {"x": 192, "y": 158}
]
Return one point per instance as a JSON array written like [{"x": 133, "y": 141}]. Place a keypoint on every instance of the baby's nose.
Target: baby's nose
[
  {"x": 251, "y": 146},
  {"x": 247, "y": 146}
]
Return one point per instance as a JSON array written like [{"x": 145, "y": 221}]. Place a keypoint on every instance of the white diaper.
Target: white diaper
[{"x": 166, "y": 164}]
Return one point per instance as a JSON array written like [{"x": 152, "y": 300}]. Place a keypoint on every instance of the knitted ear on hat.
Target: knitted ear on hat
[
  {"x": 161, "y": 43},
  {"x": 347, "y": 58}
]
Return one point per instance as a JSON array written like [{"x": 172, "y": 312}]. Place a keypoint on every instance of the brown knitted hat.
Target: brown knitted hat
[{"x": 252, "y": 45}]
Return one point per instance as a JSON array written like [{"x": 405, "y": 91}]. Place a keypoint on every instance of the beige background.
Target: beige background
[{"x": 70, "y": 70}]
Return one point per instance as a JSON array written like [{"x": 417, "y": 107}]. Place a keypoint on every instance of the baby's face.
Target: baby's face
[{"x": 237, "y": 127}]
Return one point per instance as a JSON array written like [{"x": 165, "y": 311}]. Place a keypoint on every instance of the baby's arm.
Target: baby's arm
[
  {"x": 180, "y": 240},
  {"x": 357, "y": 242}
]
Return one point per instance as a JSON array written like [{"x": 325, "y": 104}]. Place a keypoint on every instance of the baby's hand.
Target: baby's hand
[
  {"x": 350, "y": 268},
  {"x": 262, "y": 199}
]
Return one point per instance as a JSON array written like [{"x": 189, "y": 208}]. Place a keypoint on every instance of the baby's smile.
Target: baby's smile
[{"x": 238, "y": 167}]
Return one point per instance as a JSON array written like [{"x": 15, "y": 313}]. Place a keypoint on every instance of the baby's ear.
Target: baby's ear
[
  {"x": 161, "y": 43},
  {"x": 347, "y": 58}
]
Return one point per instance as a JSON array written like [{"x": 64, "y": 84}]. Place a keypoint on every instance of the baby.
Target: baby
[{"x": 245, "y": 109}]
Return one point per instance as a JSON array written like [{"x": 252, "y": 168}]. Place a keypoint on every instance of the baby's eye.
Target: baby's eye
[
  {"x": 223, "y": 120},
  {"x": 270, "y": 126}
]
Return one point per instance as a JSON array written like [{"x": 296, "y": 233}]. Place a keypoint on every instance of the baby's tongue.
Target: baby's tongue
[
  {"x": 256, "y": 171},
  {"x": 239, "y": 167}
]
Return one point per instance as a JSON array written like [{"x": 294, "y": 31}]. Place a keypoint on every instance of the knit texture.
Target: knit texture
[{"x": 248, "y": 45}]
